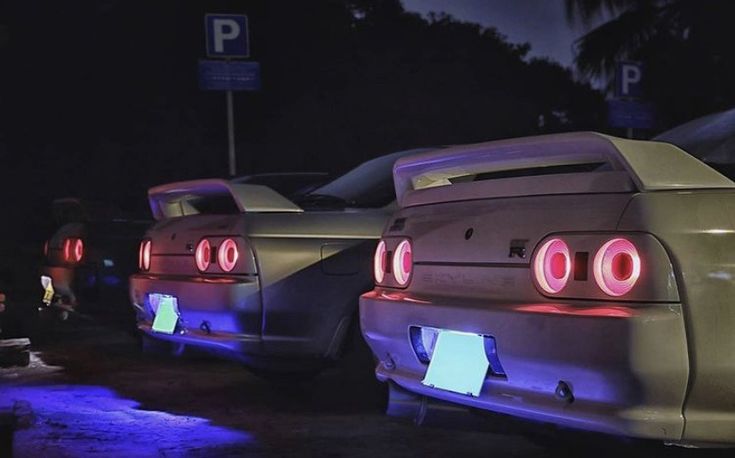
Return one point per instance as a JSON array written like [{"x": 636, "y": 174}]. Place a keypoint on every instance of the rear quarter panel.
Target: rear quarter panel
[
  {"x": 312, "y": 268},
  {"x": 698, "y": 231}
]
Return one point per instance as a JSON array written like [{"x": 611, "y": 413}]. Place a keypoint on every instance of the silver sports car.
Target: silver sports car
[
  {"x": 240, "y": 269},
  {"x": 576, "y": 279}
]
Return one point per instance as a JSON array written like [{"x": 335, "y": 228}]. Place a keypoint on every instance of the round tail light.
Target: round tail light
[
  {"x": 144, "y": 255},
  {"x": 227, "y": 255},
  {"x": 617, "y": 267},
  {"x": 78, "y": 250},
  {"x": 552, "y": 266},
  {"x": 403, "y": 262},
  {"x": 203, "y": 255},
  {"x": 73, "y": 250},
  {"x": 380, "y": 262}
]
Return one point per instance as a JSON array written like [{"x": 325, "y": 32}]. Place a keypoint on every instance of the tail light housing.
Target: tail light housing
[
  {"x": 227, "y": 255},
  {"x": 617, "y": 267},
  {"x": 552, "y": 266},
  {"x": 144, "y": 255},
  {"x": 203, "y": 255},
  {"x": 380, "y": 262},
  {"x": 73, "y": 250},
  {"x": 402, "y": 264}
]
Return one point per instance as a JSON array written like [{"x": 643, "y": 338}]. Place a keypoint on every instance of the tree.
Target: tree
[{"x": 686, "y": 46}]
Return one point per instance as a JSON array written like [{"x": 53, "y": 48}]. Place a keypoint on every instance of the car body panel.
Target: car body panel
[{"x": 698, "y": 230}]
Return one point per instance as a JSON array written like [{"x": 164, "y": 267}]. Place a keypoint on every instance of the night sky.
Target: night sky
[{"x": 542, "y": 23}]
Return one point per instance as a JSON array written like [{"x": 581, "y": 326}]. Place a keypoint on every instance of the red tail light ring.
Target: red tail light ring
[
  {"x": 73, "y": 250},
  {"x": 144, "y": 255},
  {"x": 227, "y": 255},
  {"x": 552, "y": 266},
  {"x": 403, "y": 262},
  {"x": 617, "y": 267},
  {"x": 203, "y": 255},
  {"x": 380, "y": 262}
]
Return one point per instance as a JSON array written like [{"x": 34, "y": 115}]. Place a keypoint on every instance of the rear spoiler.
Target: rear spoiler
[
  {"x": 176, "y": 199},
  {"x": 549, "y": 164}
]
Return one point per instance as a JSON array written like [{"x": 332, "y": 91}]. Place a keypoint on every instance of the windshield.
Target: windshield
[
  {"x": 369, "y": 185},
  {"x": 710, "y": 139}
]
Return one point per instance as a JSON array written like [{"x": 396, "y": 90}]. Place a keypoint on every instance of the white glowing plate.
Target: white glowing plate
[
  {"x": 167, "y": 313},
  {"x": 458, "y": 364}
]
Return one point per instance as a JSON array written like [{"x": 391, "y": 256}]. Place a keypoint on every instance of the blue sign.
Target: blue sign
[
  {"x": 219, "y": 75},
  {"x": 629, "y": 113},
  {"x": 227, "y": 35},
  {"x": 628, "y": 77}
]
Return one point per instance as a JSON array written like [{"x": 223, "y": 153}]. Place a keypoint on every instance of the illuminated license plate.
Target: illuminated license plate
[
  {"x": 48, "y": 289},
  {"x": 166, "y": 309},
  {"x": 458, "y": 363}
]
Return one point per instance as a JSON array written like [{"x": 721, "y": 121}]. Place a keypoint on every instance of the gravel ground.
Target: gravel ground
[{"x": 89, "y": 392}]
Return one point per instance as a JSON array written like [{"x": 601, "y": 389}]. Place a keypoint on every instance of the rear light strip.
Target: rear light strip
[
  {"x": 616, "y": 265},
  {"x": 226, "y": 255}
]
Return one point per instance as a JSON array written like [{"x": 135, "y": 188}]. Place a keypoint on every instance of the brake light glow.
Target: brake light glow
[
  {"x": 380, "y": 262},
  {"x": 552, "y": 266},
  {"x": 203, "y": 255},
  {"x": 403, "y": 262},
  {"x": 144, "y": 255},
  {"x": 73, "y": 250},
  {"x": 78, "y": 250},
  {"x": 617, "y": 266},
  {"x": 227, "y": 255}
]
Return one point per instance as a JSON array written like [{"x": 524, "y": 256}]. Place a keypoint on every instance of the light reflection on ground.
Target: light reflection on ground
[{"x": 94, "y": 421}]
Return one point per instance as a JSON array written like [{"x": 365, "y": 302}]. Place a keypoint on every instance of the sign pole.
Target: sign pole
[
  {"x": 231, "y": 135},
  {"x": 226, "y": 37}
]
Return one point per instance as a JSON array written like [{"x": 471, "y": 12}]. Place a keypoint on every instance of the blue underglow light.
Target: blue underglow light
[
  {"x": 111, "y": 280},
  {"x": 95, "y": 421}
]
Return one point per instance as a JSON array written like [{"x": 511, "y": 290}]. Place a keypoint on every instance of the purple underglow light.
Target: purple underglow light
[{"x": 96, "y": 421}]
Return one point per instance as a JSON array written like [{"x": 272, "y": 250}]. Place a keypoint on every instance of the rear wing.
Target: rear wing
[
  {"x": 185, "y": 198},
  {"x": 573, "y": 163}
]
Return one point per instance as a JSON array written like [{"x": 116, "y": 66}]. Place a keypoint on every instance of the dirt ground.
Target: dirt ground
[{"x": 89, "y": 392}]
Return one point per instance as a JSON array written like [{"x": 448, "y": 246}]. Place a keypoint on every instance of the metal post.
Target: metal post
[
  {"x": 629, "y": 132},
  {"x": 231, "y": 135}
]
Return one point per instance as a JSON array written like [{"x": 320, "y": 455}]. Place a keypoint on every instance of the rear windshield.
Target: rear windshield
[{"x": 369, "y": 185}]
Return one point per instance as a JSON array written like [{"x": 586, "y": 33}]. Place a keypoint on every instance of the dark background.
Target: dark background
[{"x": 100, "y": 99}]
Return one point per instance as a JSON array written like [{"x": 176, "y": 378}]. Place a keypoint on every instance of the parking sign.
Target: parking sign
[
  {"x": 227, "y": 35},
  {"x": 628, "y": 78}
]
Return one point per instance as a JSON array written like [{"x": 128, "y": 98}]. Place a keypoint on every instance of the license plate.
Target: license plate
[
  {"x": 48, "y": 289},
  {"x": 166, "y": 308},
  {"x": 458, "y": 363}
]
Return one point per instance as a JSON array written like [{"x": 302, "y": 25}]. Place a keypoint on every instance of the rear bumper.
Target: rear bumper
[
  {"x": 627, "y": 366},
  {"x": 217, "y": 313}
]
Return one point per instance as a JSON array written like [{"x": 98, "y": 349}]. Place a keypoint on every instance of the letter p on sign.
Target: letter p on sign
[
  {"x": 227, "y": 35},
  {"x": 629, "y": 76}
]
